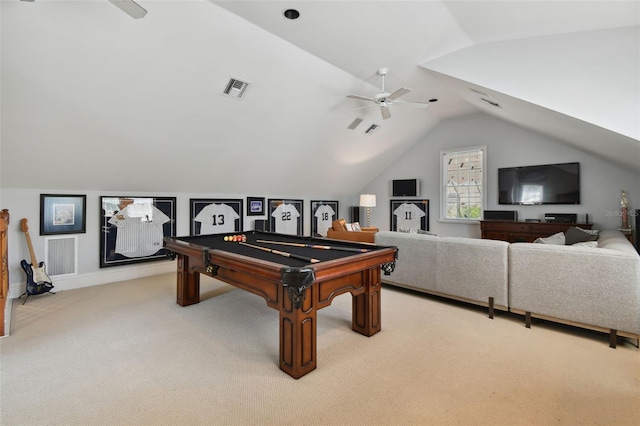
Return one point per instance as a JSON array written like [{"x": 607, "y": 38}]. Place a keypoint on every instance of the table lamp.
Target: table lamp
[{"x": 368, "y": 201}]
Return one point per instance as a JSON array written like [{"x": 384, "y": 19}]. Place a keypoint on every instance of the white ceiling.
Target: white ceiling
[{"x": 136, "y": 105}]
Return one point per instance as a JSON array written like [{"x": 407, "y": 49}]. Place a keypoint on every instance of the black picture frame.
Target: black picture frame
[
  {"x": 282, "y": 220},
  {"x": 225, "y": 215},
  {"x": 323, "y": 213},
  {"x": 63, "y": 214},
  {"x": 409, "y": 223},
  {"x": 154, "y": 218},
  {"x": 255, "y": 206}
]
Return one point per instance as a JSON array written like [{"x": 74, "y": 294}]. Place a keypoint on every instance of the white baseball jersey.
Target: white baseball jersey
[
  {"x": 408, "y": 217},
  {"x": 140, "y": 230},
  {"x": 324, "y": 215},
  {"x": 286, "y": 216},
  {"x": 217, "y": 219}
]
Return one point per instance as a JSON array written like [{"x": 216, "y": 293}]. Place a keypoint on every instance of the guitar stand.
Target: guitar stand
[{"x": 32, "y": 294}]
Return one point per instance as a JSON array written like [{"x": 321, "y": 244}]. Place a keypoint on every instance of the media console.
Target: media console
[{"x": 523, "y": 232}]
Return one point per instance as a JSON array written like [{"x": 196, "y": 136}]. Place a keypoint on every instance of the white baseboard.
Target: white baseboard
[{"x": 105, "y": 276}]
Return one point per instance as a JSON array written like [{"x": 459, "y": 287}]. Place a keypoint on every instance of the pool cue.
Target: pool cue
[
  {"x": 282, "y": 253},
  {"x": 315, "y": 246}
]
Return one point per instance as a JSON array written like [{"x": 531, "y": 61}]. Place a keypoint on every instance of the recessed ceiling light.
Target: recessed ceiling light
[{"x": 291, "y": 14}]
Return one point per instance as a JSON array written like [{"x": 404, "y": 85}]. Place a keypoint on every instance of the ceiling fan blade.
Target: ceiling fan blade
[
  {"x": 385, "y": 112},
  {"x": 130, "y": 7},
  {"x": 362, "y": 98},
  {"x": 400, "y": 92}
]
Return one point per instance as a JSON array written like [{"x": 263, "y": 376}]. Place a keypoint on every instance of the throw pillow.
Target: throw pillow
[
  {"x": 579, "y": 235},
  {"x": 556, "y": 239},
  {"x": 355, "y": 226}
]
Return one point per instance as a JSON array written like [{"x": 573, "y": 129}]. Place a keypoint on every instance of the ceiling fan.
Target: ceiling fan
[{"x": 384, "y": 99}]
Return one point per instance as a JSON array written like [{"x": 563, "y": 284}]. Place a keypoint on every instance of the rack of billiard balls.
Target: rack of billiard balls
[{"x": 236, "y": 238}]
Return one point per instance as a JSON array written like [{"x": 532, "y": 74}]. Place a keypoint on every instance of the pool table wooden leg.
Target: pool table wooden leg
[
  {"x": 298, "y": 334},
  {"x": 366, "y": 308},
  {"x": 188, "y": 280}
]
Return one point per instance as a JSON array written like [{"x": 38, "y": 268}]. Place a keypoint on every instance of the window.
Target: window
[{"x": 462, "y": 191}]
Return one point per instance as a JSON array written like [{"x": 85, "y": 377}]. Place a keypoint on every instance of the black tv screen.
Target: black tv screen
[
  {"x": 405, "y": 187},
  {"x": 545, "y": 184}
]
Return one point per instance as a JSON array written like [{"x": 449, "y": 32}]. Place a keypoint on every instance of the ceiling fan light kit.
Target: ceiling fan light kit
[{"x": 384, "y": 99}]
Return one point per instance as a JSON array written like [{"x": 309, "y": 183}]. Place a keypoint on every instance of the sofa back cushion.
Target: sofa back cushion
[
  {"x": 417, "y": 259},
  {"x": 473, "y": 269}
]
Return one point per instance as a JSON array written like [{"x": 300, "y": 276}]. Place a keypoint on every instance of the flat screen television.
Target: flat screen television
[
  {"x": 405, "y": 187},
  {"x": 544, "y": 184}
]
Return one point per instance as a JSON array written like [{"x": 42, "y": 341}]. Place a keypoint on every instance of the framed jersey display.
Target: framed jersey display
[
  {"x": 285, "y": 216},
  {"x": 215, "y": 216},
  {"x": 409, "y": 215},
  {"x": 322, "y": 214},
  {"x": 132, "y": 229}
]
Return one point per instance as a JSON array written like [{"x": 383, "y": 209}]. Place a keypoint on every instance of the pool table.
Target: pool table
[{"x": 295, "y": 275}]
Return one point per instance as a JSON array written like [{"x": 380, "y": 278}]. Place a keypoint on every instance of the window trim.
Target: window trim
[{"x": 443, "y": 179}]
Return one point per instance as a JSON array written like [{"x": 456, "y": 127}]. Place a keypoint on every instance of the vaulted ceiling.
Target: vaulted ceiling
[{"x": 93, "y": 99}]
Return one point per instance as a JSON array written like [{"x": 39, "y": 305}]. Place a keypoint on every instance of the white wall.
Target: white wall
[
  {"x": 25, "y": 203},
  {"x": 507, "y": 145}
]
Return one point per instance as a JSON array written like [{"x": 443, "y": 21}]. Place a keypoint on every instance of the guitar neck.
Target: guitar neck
[{"x": 32, "y": 253}]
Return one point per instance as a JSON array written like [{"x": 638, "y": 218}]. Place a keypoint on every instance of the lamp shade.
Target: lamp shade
[{"x": 367, "y": 200}]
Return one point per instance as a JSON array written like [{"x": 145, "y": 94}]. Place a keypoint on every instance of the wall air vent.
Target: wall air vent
[
  {"x": 372, "y": 129},
  {"x": 355, "y": 123},
  {"x": 61, "y": 255},
  {"x": 235, "y": 88},
  {"x": 492, "y": 103}
]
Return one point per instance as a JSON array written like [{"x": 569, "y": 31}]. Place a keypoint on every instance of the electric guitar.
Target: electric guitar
[{"x": 38, "y": 281}]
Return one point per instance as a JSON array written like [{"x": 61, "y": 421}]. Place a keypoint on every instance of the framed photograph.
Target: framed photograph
[
  {"x": 63, "y": 214},
  {"x": 132, "y": 229},
  {"x": 255, "y": 206},
  {"x": 215, "y": 215},
  {"x": 409, "y": 215},
  {"x": 285, "y": 216},
  {"x": 323, "y": 213}
]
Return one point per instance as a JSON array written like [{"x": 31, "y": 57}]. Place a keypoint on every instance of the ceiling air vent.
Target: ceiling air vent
[
  {"x": 235, "y": 88},
  {"x": 492, "y": 103},
  {"x": 371, "y": 129},
  {"x": 355, "y": 123}
]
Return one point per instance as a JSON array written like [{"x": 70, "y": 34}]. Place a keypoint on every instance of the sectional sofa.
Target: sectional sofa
[{"x": 592, "y": 287}]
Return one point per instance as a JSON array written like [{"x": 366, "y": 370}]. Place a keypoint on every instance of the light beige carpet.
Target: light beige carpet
[{"x": 127, "y": 354}]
